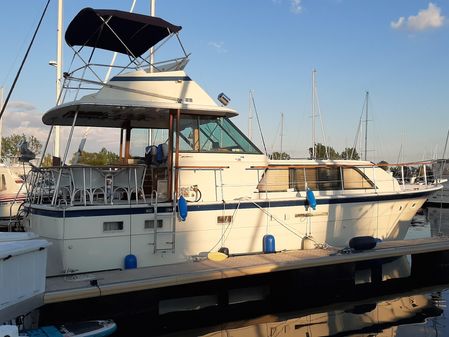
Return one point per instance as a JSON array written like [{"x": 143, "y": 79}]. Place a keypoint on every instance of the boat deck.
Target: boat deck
[{"x": 83, "y": 286}]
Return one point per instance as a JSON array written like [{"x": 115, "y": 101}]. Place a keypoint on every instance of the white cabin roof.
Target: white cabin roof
[{"x": 138, "y": 99}]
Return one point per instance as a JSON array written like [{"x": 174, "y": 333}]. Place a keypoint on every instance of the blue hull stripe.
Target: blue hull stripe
[
  {"x": 149, "y": 78},
  {"x": 145, "y": 209}
]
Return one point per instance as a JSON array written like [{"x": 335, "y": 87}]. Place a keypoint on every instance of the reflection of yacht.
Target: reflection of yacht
[
  {"x": 204, "y": 185},
  {"x": 439, "y": 220},
  {"x": 382, "y": 318},
  {"x": 439, "y": 199}
]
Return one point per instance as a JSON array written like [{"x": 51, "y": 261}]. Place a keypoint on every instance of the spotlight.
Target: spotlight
[{"x": 224, "y": 99}]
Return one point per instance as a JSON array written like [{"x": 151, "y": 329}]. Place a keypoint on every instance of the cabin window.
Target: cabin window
[
  {"x": 315, "y": 178},
  {"x": 3, "y": 183},
  {"x": 213, "y": 134},
  {"x": 110, "y": 226},
  {"x": 141, "y": 138},
  {"x": 329, "y": 179},
  {"x": 189, "y": 136},
  {"x": 302, "y": 177},
  {"x": 149, "y": 224},
  {"x": 274, "y": 181},
  {"x": 319, "y": 179},
  {"x": 354, "y": 179}
]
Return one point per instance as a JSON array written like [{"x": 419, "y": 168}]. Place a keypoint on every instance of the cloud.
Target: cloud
[
  {"x": 397, "y": 24},
  {"x": 23, "y": 118},
  {"x": 218, "y": 46},
  {"x": 20, "y": 106},
  {"x": 429, "y": 18},
  {"x": 295, "y": 6}
]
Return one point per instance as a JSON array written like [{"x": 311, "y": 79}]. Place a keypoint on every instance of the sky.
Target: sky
[{"x": 397, "y": 50}]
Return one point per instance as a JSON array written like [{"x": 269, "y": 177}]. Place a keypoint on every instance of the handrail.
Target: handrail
[
  {"x": 83, "y": 182},
  {"x": 201, "y": 167},
  {"x": 280, "y": 166}
]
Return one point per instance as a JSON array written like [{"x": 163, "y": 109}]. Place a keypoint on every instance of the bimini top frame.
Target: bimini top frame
[
  {"x": 118, "y": 31},
  {"x": 128, "y": 34}
]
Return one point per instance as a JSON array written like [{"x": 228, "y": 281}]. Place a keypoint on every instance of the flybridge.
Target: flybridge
[{"x": 94, "y": 33}]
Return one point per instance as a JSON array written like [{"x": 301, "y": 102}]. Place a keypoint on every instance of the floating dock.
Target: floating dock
[{"x": 99, "y": 284}]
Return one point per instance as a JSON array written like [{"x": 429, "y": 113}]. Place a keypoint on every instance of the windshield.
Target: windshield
[{"x": 213, "y": 134}]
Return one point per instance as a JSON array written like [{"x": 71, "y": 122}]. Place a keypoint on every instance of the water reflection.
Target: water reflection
[
  {"x": 439, "y": 220},
  {"x": 402, "y": 303},
  {"x": 383, "y": 318}
]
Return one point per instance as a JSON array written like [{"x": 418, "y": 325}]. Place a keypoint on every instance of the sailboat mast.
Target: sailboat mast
[
  {"x": 250, "y": 117},
  {"x": 366, "y": 124},
  {"x": 282, "y": 130},
  {"x": 313, "y": 114}
]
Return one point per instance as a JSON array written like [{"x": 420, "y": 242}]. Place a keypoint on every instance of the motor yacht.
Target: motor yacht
[{"x": 188, "y": 181}]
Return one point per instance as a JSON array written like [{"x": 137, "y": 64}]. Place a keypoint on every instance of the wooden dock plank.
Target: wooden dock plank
[{"x": 66, "y": 288}]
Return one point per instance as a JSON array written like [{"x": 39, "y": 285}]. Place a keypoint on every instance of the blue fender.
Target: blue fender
[
  {"x": 182, "y": 208},
  {"x": 311, "y": 198}
]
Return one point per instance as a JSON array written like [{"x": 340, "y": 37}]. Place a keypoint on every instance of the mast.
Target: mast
[
  {"x": 282, "y": 130},
  {"x": 366, "y": 123},
  {"x": 56, "y": 149},
  {"x": 152, "y": 13},
  {"x": 250, "y": 117},
  {"x": 313, "y": 114}
]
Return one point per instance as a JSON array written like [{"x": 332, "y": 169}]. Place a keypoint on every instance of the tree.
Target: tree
[
  {"x": 10, "y": 145},
  {"x": 280, "y": 156},
  {"x": 47, "y": 161},
  {"x": 104, "y": 157},
  {"x": 383, "y": 165},
  {"x": 350, "y": 153},
  {"x": 324, "y": 152}
]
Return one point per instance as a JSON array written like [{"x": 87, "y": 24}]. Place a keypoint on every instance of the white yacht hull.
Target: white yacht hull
[{"x": 80, "y": 242}]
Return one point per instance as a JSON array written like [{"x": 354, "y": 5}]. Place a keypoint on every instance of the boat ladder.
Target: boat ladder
[{"x": 163, "y": 237}]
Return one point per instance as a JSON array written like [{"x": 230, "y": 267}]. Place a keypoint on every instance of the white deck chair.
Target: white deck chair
[
  {"x": 121, "y": 181},
  {"x": 81, "y": 184},
  {"x": 97, "y": 184}
]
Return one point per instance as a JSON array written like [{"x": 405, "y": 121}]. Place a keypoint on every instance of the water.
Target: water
[{"x": 409, "y": 306}]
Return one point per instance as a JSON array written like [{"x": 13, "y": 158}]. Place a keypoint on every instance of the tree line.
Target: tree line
[
  {"x": 11, "y": 149},
  {"x": 322, "y": 152}
]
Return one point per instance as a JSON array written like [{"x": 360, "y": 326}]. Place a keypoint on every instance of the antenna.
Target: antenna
[{"x": 250, "y": 117}]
